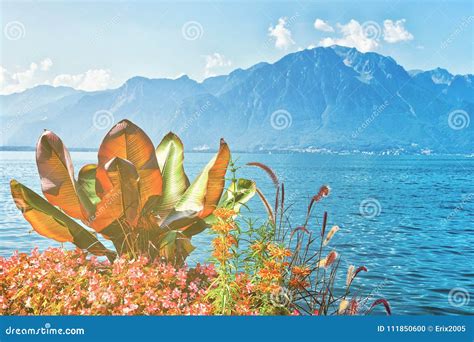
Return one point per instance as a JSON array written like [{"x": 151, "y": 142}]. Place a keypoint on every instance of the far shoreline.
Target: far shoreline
[{"x": 309, "y": 151}]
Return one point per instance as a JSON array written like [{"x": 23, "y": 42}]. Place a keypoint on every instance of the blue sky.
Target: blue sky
[{"x": 98, "y": 45}]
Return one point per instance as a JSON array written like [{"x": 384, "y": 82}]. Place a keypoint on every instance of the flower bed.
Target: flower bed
[{"x": 61, "y": 282}]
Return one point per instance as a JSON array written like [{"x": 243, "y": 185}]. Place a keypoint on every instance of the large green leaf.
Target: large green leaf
[
  {"x": 205, "y": 192},
  {"x": 175, "y": 247},
  {"x": 170, "y": 155},
  {"x": 197, "y": 227},
  {"x": 185, "y": 221},
  {"x": 177, "y": 220},
  {"x": 85, "y": 187},
  {"x": 52, "y": 223},
  {"x": 237, "y": 194}
]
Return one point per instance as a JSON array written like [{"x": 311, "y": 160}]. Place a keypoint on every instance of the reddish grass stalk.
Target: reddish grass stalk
[
  {"x": 325, "y": 220},
  {"x": 268, "y": 170},
  {"x": 382, "y": 301},
  {"x": 359, "y": 269}
]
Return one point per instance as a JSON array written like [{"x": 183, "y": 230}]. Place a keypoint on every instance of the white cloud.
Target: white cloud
[
  {"x": 17, "y": 81},
  {"x": 321, "y": 25},
  {"x": 91, "y": 80},
  {"x": 12, "y": 82},
  {"x": 215, "y": 61},
  {"x": 363, "y": 37},
  {"x": 37, "y": 73},
  {"x": 46, "y": 64},
  {"x": 282, "y": 34},
  {"x": 395, "y": 31}
]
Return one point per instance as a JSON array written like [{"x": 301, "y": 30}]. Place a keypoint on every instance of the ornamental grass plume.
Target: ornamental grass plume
[{"x": 330, "y": 235}]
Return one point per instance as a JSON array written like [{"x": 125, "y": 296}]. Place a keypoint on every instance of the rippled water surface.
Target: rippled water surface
[{"x": 409, "y": 219}]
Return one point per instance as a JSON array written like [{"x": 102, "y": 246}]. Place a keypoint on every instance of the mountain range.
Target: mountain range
[{"x": 321, "y": 99}]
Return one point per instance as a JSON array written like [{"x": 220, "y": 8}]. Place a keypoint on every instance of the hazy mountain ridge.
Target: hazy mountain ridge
[{"x": 325, "y": 98}]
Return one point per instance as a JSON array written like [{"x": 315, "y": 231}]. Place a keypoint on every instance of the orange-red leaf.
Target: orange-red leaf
[
  {"x": 122, "y": 200},
  {"x": 57, "y": 175},
  {"x": 127, "y": 141}
]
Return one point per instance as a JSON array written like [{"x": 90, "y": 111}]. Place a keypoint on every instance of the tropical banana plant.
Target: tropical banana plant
[{"x": 136, "y": 196}]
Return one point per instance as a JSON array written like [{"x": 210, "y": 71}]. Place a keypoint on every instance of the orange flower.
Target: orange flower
[
  {"x": 258, "y": 247},
  {"x": 269, "y": 287},
  {"x": 301, "y": 271},
  {"x": 272, "y": 270},
  {"x": 298, "y": 283},
  {"x": 278, "y": 252},
  {"x": 223, "y": 227},
  {"x": 221, "y": 246},
  {"x": 224, "y": 213}
]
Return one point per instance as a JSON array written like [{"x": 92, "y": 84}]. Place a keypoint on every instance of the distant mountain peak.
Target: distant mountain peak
[{"x": 322, "y": 99}]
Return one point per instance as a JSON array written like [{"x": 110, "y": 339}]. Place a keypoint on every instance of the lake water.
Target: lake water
[{"x": 418, "y": 242}]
